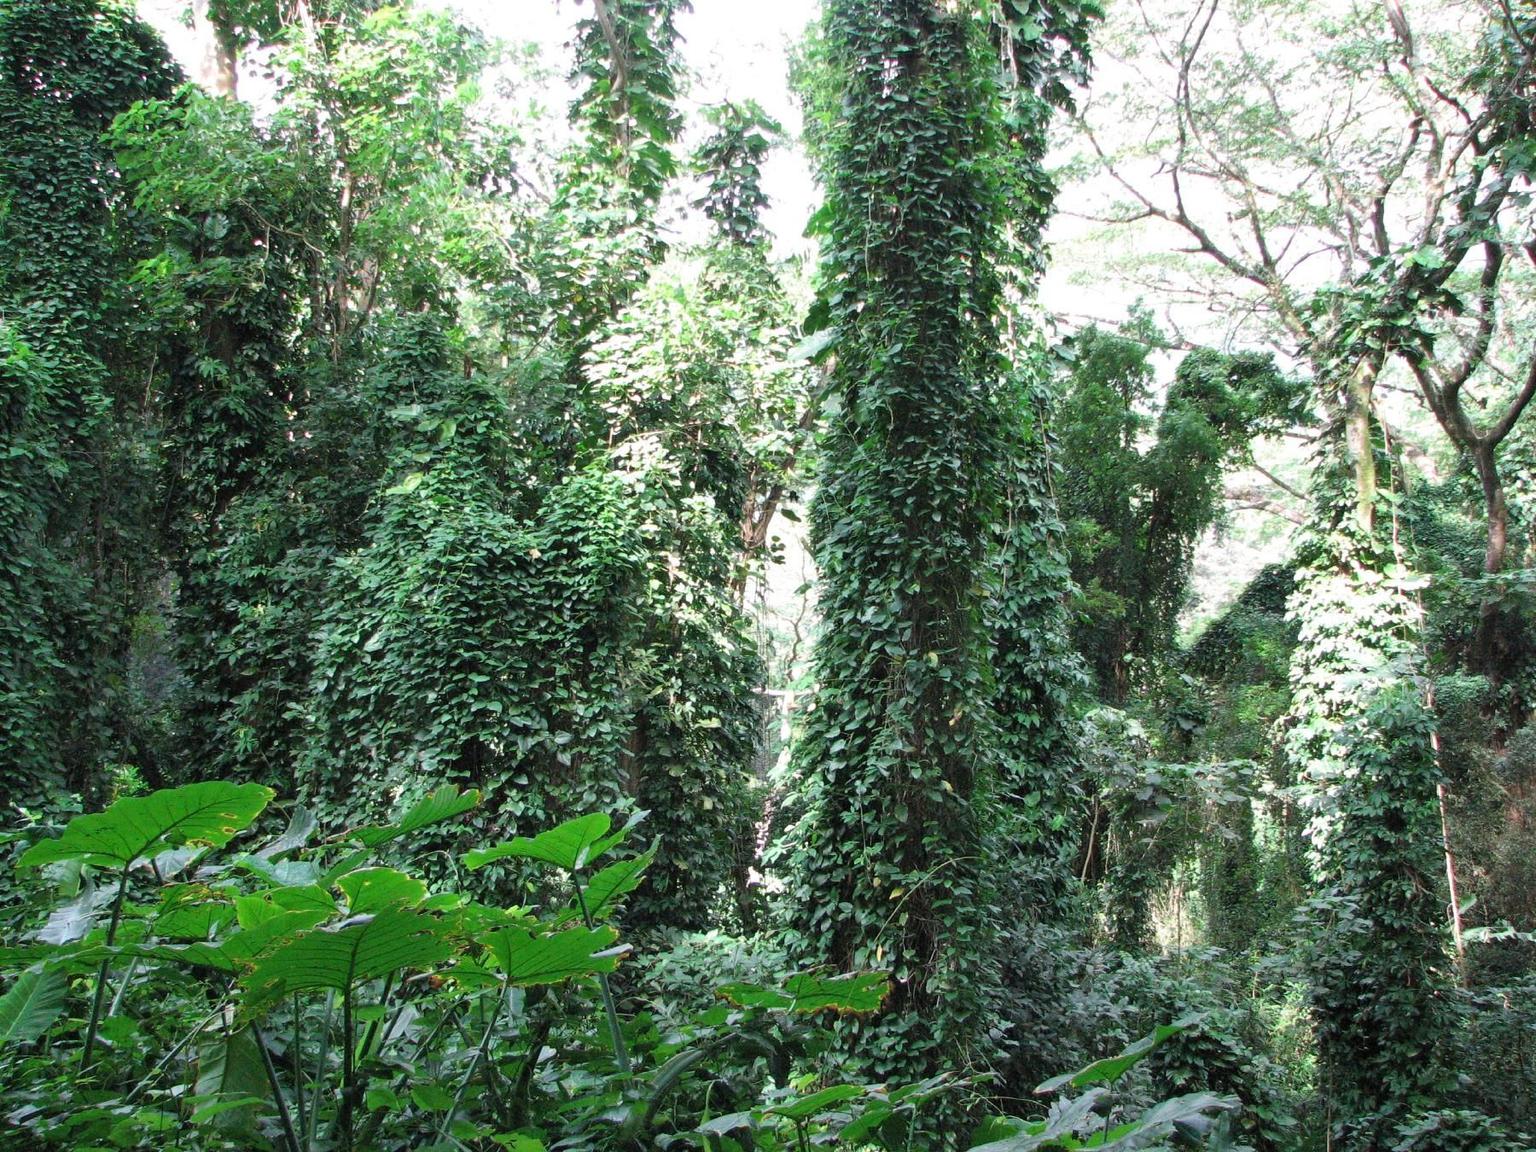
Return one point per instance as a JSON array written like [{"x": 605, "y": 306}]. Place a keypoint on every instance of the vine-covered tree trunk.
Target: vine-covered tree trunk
[
  {"x": 1360, "y": 743},
  {"x": 886, "y": 871}
]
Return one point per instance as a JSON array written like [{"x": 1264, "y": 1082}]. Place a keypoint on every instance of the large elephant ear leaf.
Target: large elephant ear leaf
[
  {"x": 567, "y": 846},
  {"x": 443, "y": 804},
  {"x": 31, "y": 1004},
  {"x": 607, "y": 887},
  {"x": 525, "y": 959},
  {"x": 336, "y": 958},
  {"x": 1111, "y": 1068},
  {"x": 207, "y": 814},
  {"x": 570, "y": 846}
]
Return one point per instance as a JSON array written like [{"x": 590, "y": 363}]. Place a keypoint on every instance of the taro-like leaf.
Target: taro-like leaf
[
  {"x": 74, "y": 920},
  {"x": 570, "y": 846},
  {"x": 259, "y": 907},
  {"x": 208, "y": 814},
  {"x": 755, "y": 996},
  {"x": 301, "y": 827},
  {"x": 605, "y": 888},
  {"x": 375, "y": 889},
  {"x": 1111, "y": 1068},
  {"x": 358, "y": 949},
  {"x": 730, "y": 1122},
  {"x": 854, "y": 993},
  {"x": 239, "y": 950},
  {"x": 1191, "y": 1114},
  {"x": 443, "y": 804},
  {"x": 1066, "y": 1118},
  {"x": 229, "y": 1072},
  {"x": 31, "y": 1004},
  {"x": 525, "y": 959},
  {"x": 192, "y": 912},
  {"x": 808, "y": 1106}
]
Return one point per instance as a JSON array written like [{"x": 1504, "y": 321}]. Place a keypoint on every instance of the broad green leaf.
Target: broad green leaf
[
  {"x": 443, "y": 804},
  {"x": 1065, "y": 1118},
  {"x": 192, "y": 912},
  {"x": 568, "y": 846},
  {"x": 814, "y": 346},
  {"x": 517, "y": 1142},
  {"x": 1191, "y": 1113},
  {"x": 336, "y": 958},
  {"x": 239, "y": 950},
  {"x": 730, "y": 1122},
  {"x": 1111, "y": 1068},
  {"x": 857, "y": 992},
  {"x": 208, "y": 814},
  {"x": 259, "y": 907},
  {"x": 430, "y": 1097},
  {"x": 230, "y": 1074},
  {"x": 73, "y": 921},
  {"x": 289, "y": 873},
  {"x": 301, "y": 827},
  {"x": 862, "y": 1127},
  {"x": 854, "y": 993},
  {"x": 526, "y": 959},
  {"x": 375, "y": 889},
  {"x": 808, "y": 1106},
  {"x": 605, "y": 888},
  {"x": 31, "y": 1004},
  {"x": 755, "y": 996}
]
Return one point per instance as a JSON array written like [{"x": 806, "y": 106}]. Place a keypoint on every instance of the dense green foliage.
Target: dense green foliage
[{"x": 409, "y": 726}]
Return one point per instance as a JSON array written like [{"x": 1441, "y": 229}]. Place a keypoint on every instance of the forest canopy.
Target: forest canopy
[{"x": 500, "y": 648}]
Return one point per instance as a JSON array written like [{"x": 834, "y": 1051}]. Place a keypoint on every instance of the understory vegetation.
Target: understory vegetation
[{"x": 413, "y": 734}]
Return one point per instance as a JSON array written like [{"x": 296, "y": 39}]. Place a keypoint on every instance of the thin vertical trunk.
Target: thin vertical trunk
[
  {"x": 1357, "y": 432},
  {"x": 218, "y": 54},
  {"x": 1485, "y": 644}
]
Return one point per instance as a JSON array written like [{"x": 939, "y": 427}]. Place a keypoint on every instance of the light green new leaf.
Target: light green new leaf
[
  {"x": 259, "y": 907},
  {"x": 443, "y": 804},
  {"x": 1111, "y": 1068},
  {"x": 210, "y": 813},
  {"x": 375, "y": 889},
  {"x": 854, "y": 993},
  {"x": 31, "y": 1004},
  {"x": 526, "y": 959},
  {"x": 362, "y": 948}
]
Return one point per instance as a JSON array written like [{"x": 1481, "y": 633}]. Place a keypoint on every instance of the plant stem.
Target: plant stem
[
  {"x": 615, "y": 1033},
  {"x": 290, "y": 1136},
  {"x": 122, "y": 986},
  {"x": 371, "y": 1033},
  {"x": 296, "y": 1052},
  {"x": 348, "y": 1068},
  {"x": 325, "y": 1054},
  {"x": 474, "y": 1064},
  {"x": 180, "y": 1047},
  {"x": 100, "y": 999}
]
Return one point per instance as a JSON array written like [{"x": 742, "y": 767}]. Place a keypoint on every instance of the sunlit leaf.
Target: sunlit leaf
[{"x": 210, "y": 814}]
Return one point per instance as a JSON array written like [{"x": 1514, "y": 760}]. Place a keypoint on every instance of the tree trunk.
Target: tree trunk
[
  {"x": 217, "y": 51},
  {"x": 1484, "y": 645},
  {"x": 1362, "y": 452}
]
